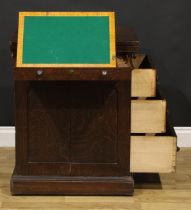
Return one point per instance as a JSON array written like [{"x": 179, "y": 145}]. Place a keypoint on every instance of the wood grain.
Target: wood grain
[
  {"x": 69, "y": 129},
  {"x": 148, "y": 116},
  {"x": 169, "y": 191},
  {"x": 143, "y": 83},
  {"x": 153, "y": 154},
  {"x": 72, "y": 74}
]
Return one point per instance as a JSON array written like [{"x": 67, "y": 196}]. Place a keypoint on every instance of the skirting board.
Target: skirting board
[
  {"x": 7, "y": 136},
  {"x": 183, "y": 136}
]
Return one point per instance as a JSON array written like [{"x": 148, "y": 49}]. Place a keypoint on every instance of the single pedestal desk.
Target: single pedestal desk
[{"x": 73, "y": 128}]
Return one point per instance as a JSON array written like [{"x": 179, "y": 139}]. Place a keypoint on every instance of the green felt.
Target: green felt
[{"x": 66, "y": 40}]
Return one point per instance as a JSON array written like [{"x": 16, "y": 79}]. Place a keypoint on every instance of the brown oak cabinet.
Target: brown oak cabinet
[{"x": 73, "y": 129}]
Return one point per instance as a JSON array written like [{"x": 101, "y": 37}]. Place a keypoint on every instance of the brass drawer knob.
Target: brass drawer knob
[
  {"x": 39, "y": 72},
  {"x": 104, "y": 72}
]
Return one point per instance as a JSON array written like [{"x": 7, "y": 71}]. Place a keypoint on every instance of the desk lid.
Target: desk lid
[{"x": 66, "y": 39}]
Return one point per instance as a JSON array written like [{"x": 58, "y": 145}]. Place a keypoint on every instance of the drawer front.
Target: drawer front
[
  {"x": 148, "y": 116},
  {"x": 153, "y": 154},
  {"x": 72, "y": 74},
  {"x": 143, "y": 83}
]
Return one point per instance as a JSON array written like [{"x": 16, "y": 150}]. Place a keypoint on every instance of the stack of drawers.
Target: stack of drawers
[{"x": 153, "y": 142}]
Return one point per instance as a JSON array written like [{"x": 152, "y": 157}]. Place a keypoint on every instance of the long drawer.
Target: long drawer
[{"x": 153, "y": 154}]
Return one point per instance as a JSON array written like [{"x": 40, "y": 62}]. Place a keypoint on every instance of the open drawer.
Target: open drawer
[
  {"x": 153, "y": 154},
  {"x": 148, "y": 116}
]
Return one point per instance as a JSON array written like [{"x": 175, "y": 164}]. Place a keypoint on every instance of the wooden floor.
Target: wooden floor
[{"x": 174, "y": 191}]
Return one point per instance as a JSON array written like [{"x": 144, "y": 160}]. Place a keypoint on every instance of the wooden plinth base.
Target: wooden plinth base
[{"x": 41, "y": 185}]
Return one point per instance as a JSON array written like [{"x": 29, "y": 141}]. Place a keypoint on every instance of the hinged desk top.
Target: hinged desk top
[
  {"x": 66, "y": 39},
  {"x": 126, "y": 45}
]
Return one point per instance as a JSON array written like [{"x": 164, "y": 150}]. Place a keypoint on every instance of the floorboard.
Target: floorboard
[{"x": 152, "y": 191}]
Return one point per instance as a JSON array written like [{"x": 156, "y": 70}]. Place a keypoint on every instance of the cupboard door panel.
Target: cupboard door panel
[
  {"x": 100, "y": 119},
  {"x": 49, "y": 122},
  {"x": 94, "y": 123}
]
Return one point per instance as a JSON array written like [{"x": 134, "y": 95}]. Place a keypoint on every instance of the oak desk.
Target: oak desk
[{"x": 73, "y": 128}]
